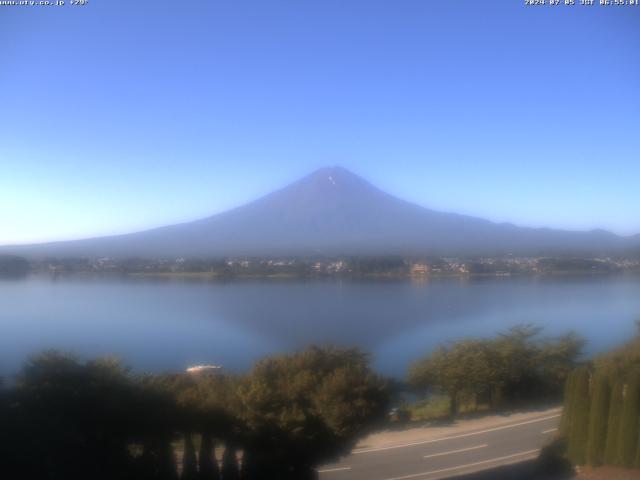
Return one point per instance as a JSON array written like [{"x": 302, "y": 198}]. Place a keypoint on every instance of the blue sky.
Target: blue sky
[{"x": 123, "y": 115}]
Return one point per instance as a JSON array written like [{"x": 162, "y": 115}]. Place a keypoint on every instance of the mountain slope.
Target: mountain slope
[{"x": 336, "y": 212}]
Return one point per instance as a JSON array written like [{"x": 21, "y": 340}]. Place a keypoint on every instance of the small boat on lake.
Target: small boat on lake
[{"x": 204, "y": 368}]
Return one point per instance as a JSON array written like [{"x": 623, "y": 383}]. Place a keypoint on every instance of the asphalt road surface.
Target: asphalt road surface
[{"x": 456, "y": 454}]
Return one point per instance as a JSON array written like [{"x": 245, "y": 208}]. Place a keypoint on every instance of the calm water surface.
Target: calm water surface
[{"x": 168, "y": 325}]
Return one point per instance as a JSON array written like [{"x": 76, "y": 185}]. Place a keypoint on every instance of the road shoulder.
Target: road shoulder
[{"x": 389, "y": 439}]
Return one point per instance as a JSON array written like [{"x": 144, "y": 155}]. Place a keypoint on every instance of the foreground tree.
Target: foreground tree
[
  {"x": 579, "y": 424},
  {"x": 78, "y": 413},
  {"x": 71, "y": 420},
  {"x": 613, "y": 433},
  {"x": 556, "y": 358},
  {"x": 565, "y": 421},
  {"x": 516, "y": 367},
  {"x": 309, "y": 407},
  {"x": 518, "y": 364},
  {"x": 230, "y": 469},
  {"x": 628, "y": 432},
  {"x": 189, "y": 460},
  {"x": 613, "y": 424},
  {"x": 598, "y": 417},
  {"x": 83, "y": 420},
  {"x": 464, "y": 368},
  {"x": 207, "y": 462},
  {"x": 623, "y": 361}
]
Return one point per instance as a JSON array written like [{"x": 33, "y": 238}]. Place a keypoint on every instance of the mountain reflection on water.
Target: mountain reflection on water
[{"x": 168, "y": 324}]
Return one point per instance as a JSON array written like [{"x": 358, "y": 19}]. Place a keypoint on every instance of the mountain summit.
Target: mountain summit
[{"x": 334, "y": 211}]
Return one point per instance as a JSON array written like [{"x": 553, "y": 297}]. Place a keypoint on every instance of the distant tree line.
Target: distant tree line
[
  {"x": 601, "y": 419},
  {"x": 376, "y": 265},
  {"x": 321, "y": 265},
  {"x": 67, "y": 419},
  {"x": 11, "y": 265},
  {"x": 516, "y": 367},
  {"x": 575, "y": 265}
]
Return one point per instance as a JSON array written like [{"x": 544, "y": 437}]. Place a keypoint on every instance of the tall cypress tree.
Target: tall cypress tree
[
  {"x": 250, "y": 469},
  {"x": 189, "y": 464},
  {"x": 208, "y": 465},
  {"x": 579, "y": 426},
  {"x": 598, "y": 417},
  {"x": 230, "y": 470},
  {"x": 637, "y": 463},
  {"x": 567, "y": 411},
  {"x": 628, "y": 433},
  {"x": 613, "y": 424},
  {"x": 166, "y": 460}
]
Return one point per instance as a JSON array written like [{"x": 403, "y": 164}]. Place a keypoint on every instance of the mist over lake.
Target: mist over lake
[{"x": 171, "y": 324}]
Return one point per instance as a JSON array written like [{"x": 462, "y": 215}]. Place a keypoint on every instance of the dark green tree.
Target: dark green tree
[
  {"x": 598, "y": 416},
  {"x": 85, "y": 420},
  {"x": 208, "y": 464},
  {"x": 579, "y": 428},
  {"x": 309, "y": 407},
  {"x": 567, "y": 411},
  {"x": 628, "y": 432},
  {"x": 76, "y": 415},
  {"x": 516, "y": 367},
  {"x": 613, "y": 424},
  {"x": 189, "y": 461},
  {"x": 159, "y": 459},
  {"x": 230, "y": 469},
  {"x": 250, "y": 465},
  {"x": 555, "y": 359},
  {"x": 623, "y": 361},
  {"x": 464, "y": 368}
]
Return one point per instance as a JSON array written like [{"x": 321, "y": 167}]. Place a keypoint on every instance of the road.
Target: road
[{"x": 463, "y": 451}]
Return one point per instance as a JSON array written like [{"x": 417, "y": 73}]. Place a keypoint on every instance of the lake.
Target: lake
[{"x": 163, "y": 324}]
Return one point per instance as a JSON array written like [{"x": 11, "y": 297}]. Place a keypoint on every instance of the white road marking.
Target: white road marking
[
  {"x": 463, "y": 435},
  {"x": 337, "y": 469},
  {"x": 550, "y": 430},
  {"x": 456, "y": 451},
  {"x": 461, "y": 467}
]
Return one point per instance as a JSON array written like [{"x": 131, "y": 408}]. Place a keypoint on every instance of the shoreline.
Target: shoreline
[{"x": 210, "y": 276}]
